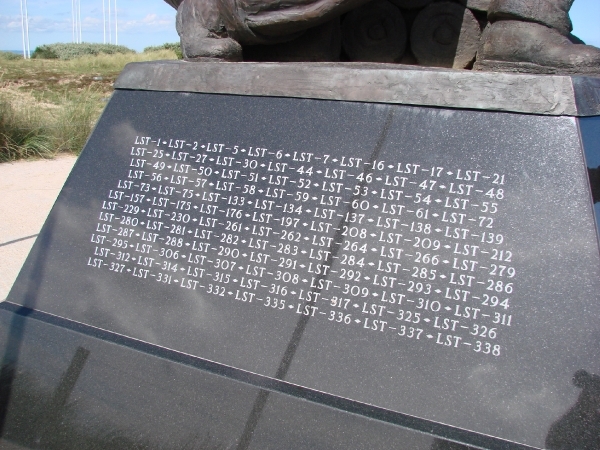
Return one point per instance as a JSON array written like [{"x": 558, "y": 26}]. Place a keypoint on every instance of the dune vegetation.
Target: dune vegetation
[{"x": 50, "y": 103}]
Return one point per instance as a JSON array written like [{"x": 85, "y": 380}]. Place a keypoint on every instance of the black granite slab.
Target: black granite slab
[{"x": 319, "y": 274}]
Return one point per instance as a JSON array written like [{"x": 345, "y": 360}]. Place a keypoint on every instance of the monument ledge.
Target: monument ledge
[{"x": 554, "y": 95}]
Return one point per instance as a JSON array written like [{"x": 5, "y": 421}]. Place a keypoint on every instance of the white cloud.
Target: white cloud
[
  {"x": 10, "y": 23},
  {"x": 155, "y": 21},
  {"x": 44, "y": 24}
]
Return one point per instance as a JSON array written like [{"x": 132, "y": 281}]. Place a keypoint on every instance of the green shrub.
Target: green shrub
[
  {"x": 22, "y": 134},
  {"x": 173, "y": 46},
  {"x": 44, "y": 52},
  {"x": 76, "y": 120},
  {"x": 71, "y": 51},
  {"x": 10, "y": 55},
  {"x": 30, "y": 132}
]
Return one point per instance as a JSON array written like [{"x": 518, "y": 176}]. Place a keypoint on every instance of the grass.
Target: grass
[
  {"x": 174, "y": 46},
  {"x": 48, "y": 106},
  {"x": 71, "y": 50}
]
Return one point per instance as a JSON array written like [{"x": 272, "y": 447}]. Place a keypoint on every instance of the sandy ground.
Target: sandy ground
[{"x": 28, "y": 190}]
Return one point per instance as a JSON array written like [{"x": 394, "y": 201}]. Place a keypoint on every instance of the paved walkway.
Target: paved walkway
[{"x": 28, "y": 190}]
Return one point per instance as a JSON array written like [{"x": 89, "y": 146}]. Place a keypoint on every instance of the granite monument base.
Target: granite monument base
[{"x": 260, "y": 256}]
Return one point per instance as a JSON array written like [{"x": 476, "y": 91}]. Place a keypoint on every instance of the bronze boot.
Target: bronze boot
[
  {"x": 533, "y": 37},
  {"x": 217, "y": 29},
  {"x": 203, "y": 34}
]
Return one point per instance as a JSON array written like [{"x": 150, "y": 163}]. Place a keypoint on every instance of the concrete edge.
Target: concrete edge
[{"x": 554, "y": 95}]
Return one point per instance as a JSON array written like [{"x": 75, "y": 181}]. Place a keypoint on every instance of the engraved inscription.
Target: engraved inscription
[{"x": 395, "y": 248}]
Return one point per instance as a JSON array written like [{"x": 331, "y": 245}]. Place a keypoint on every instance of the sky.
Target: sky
[{"x": 142, "y": 23}]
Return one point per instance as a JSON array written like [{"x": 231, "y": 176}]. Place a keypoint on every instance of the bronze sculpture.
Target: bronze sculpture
[
  {"x": 528, "y": 36},
  {"x": 518, "y": 35}
]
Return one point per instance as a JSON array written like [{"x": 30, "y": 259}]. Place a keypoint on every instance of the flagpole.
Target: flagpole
[
  {"x": 72, "y": 20},
  {"x": 27, "y": 31},
  {"x": 109, "y": 25},
  {"x": 116, "y": 25},
  {"x": 104, "y": 21},
  {"x": 23, "y": 29},
  {"x": 79, "y": 17},
  {"x": 76, "y": 22}
]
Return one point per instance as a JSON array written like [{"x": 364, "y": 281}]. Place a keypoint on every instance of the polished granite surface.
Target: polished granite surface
[{"x": 296, "y": 273}]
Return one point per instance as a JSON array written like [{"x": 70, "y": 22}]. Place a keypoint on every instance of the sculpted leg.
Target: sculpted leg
[
  {"x": 533, "y": 36},
  {"x": 203, "y": 33},
  {"x": 217, "y": 28}
]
